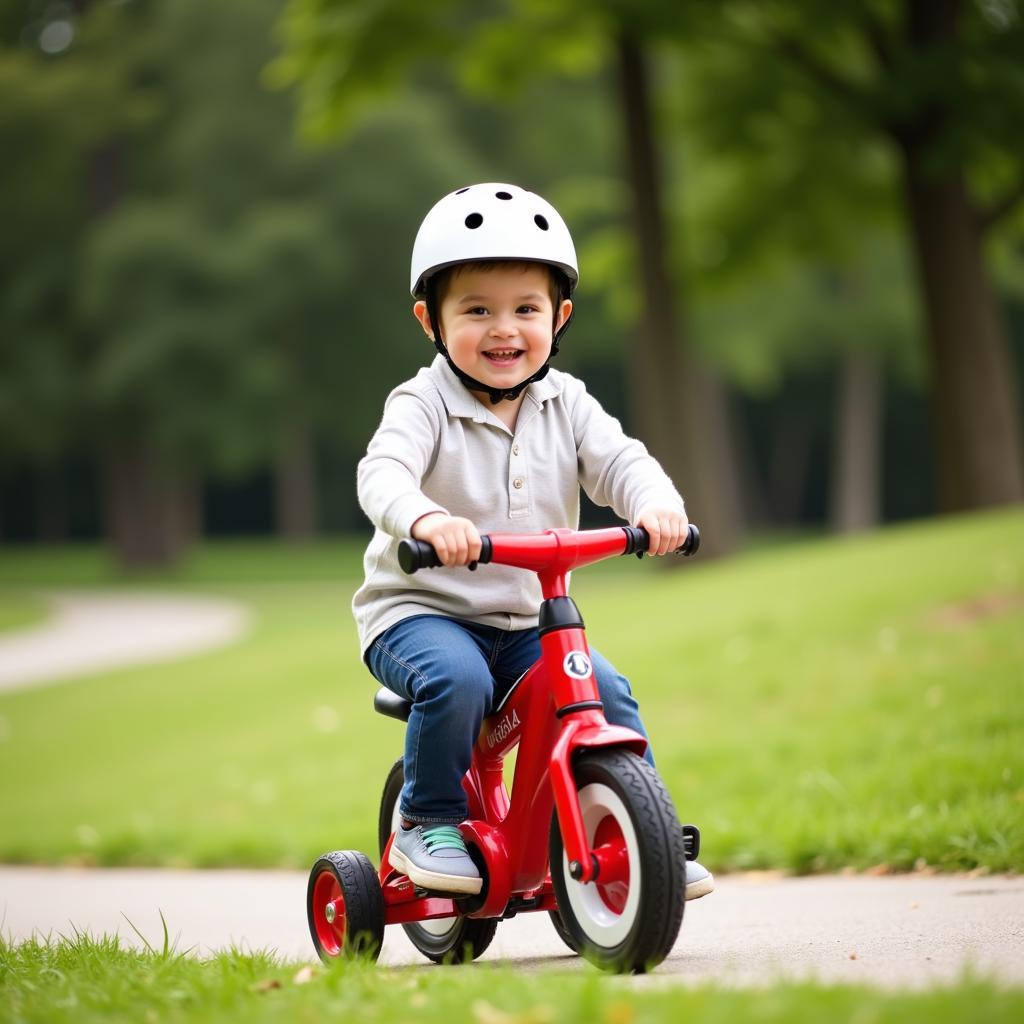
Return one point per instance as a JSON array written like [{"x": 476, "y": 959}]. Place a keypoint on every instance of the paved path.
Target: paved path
[
  {"x": 899, "y": 931},
  {"x": 92, "y": 631}
]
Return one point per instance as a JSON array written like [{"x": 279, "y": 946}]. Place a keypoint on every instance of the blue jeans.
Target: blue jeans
[{"x": 454, "y": 672}]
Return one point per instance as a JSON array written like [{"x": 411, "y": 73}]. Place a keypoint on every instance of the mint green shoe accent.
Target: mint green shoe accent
[
  {"x": 435, "y": 857},
  {"x": 443, "y": 837}
]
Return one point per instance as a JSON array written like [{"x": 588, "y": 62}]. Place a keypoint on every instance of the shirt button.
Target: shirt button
[
  {"x": 518, "y": 483},
  {"x": 515, "y": 449}
]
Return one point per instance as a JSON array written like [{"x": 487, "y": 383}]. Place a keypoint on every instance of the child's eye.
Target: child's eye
[
  {"x": 527, "y": 309},
  {"x": 477, "y": 311}
]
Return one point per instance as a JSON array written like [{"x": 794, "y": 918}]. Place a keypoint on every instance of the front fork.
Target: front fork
[
  {"x": 583, "y": 725},
  {"x": 586, "y": 730}
]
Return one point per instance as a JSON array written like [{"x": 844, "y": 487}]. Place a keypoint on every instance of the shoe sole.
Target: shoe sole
[
  {"x": 432, "y": 879},
  {"x": 695, "y": 890}
]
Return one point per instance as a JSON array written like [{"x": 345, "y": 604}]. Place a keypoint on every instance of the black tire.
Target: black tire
[
  {"x": 625, "y": 926},
  {"x": 450, "y": 940},
  {"x": 559, "y": 925},
  {"x": 344, "y": 907}
]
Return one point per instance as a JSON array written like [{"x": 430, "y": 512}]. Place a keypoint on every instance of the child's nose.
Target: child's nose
[{"x": 504, "y": 327}]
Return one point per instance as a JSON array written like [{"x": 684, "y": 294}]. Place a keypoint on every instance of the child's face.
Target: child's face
[{"x": 498, "y": 323}]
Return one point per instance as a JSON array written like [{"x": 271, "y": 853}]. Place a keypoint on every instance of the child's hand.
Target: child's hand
[
  {"x": 667, "y": 528},
  {"x": 455, "y": 539}
]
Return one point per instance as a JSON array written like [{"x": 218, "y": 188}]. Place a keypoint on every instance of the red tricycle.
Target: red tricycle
[{"x": 589, "y": 833}]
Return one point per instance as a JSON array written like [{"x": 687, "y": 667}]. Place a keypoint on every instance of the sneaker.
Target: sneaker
[
  {"x": 699, "y": 881},
  {"x": 435, "y": 857}
]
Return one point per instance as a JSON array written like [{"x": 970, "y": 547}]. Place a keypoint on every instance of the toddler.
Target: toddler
[{"x": 487, "y": 438}]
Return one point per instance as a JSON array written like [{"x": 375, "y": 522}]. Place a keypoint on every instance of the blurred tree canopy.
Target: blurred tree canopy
[
  {"x": 815, "y": 105},
  {"x": 345, "y": 55},
  {"x": 214, "y": 278},
  {"x": 789, "y": 217},
  {"x": 926, "y": 97}
]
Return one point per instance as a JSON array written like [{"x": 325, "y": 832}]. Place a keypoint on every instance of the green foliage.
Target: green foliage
[
  {"x": 179, "y": 268},
  {"x": 812, "y": 706},
  {"x": 823, "y": 84},
  {"x": 799, "y": 316},
  {"x": 349, "y": 53},
  {"x": 86, "y": 979},
  {"x": 149, "y": 289},
  {"x": 763, "y": 174},
  {"x": 55, "y": 112}
]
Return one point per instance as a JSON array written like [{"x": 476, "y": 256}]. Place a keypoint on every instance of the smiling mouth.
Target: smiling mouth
[{"x": 503, "y": 356}]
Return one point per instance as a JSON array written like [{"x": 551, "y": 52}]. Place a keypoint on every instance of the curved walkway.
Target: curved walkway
[{"x": 97, "y": 630}]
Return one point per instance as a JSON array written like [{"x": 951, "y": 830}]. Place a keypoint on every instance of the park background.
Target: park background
[
  {"x": 801, "y": 236},
  {"x": 799, "y": 224}
]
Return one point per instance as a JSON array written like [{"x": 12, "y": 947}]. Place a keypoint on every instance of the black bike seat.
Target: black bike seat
[{"x": 385, "y": 702}]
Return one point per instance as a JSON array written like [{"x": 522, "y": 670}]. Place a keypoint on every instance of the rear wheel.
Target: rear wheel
[
  {"x": 628, "y": 918},
  {"x": 454, "y": 940},
  {"x": 344, "y": 907}
]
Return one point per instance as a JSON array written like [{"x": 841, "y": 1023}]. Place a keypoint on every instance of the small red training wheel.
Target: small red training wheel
[
  {"x": 329, "y": 913},
  {"x": 345, "y": 907}
]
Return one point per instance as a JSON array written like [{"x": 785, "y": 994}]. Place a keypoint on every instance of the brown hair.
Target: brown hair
[{"x": 557, "y": 286}]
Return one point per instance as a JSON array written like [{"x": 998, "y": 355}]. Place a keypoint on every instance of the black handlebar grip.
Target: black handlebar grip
[
  {"x": 414, "y": 555},
  {"x": 692, "y": 542},
  {"x": 638, "y": 541}
]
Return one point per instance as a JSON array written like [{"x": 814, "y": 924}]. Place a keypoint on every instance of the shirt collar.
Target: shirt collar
[{"x": 461, "y": 402}]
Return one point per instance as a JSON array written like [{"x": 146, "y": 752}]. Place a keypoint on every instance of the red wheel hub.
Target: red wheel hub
[
  {"x": 329, "y": 913},
  {"x": 613, "y": 864}
]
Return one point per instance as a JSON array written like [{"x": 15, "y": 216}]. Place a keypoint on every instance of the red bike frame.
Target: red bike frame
[{"x": 554, "y": 711}]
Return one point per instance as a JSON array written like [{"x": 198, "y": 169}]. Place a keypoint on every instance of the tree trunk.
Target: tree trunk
[
  {"x": 856, "y": 459},
  {"x": 975, "y": 407},
  {"x": 679, "y": 405},
  {"x": 787, "y": 468},
  {"x": 151, "y": 514},
  {"x": 295, "y": 484}
]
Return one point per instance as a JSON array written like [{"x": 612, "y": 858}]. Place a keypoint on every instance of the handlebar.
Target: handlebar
[{"x": 414, "y": 555}]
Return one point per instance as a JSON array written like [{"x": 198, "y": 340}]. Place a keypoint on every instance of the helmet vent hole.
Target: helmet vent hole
[
  {"x": 541, "y": 221},
  {"x": 461, "y": 190},
  {"x": 474, "y": 220},
  {"x": 503, "y": 195}
]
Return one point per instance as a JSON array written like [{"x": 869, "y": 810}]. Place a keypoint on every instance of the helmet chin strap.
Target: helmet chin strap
[{"x": 496, "y": 395}]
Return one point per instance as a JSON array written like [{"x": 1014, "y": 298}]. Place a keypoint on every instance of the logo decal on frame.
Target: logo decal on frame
[{"x": 577, "y": 665}]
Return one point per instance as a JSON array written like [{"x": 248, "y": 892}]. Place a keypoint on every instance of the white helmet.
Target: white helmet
[{"x": 491, "y": 221}]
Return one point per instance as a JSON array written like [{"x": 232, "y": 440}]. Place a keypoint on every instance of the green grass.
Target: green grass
[
  {"x": 813, "y": 705},
  {"x": 82, "y": 980},
  {"x": 230, "y": 561},
  {"x": 19, "y": 609}
]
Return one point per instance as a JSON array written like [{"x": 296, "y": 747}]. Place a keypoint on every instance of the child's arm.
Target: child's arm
[
  {"x": 617, "y": 470},
  {"x": 390, "y": 476},
  {"x": 398, "y": 457}
]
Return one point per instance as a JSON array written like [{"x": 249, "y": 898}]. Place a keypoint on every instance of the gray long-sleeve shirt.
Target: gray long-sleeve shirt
[{"x": 438, "y": 449}]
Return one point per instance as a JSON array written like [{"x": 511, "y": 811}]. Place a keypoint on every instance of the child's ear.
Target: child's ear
[
  {"x": 564, "y": 312},
  {"x": 419, "y": 310}
]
